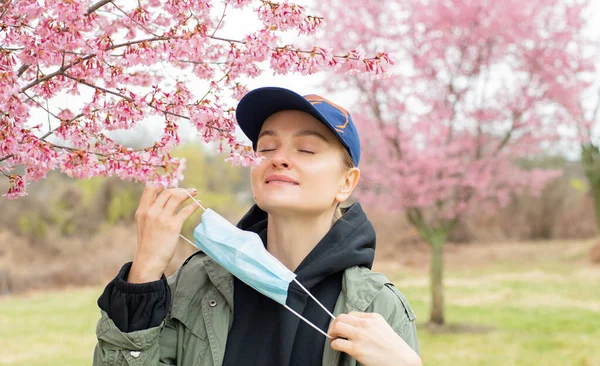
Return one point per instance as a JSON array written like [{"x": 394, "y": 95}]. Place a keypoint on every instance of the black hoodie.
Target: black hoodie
[{"x": 264, "y": 332}]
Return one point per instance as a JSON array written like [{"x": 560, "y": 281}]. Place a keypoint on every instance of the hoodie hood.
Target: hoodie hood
[
  {"x": 277, "y": 336},
  {"x": 350, "y": 242}
]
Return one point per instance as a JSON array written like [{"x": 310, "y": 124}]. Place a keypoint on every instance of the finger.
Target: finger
[
  {"x": 177, "y": 198},
  {"x": 358, "y": 314},
  {"x": 350, "y": 319},
  {"x": 343, "y": 345},
  {"x": 186, "y": 212},
  {"x": 343, "y": 330},
  {"x": 148, "y": 197},
  {"x": 365, "y": 318},
  {"x": 165, "y": 196}
]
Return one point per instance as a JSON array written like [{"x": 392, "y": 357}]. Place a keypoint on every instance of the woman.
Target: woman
[{"x": 202, "y": 315}]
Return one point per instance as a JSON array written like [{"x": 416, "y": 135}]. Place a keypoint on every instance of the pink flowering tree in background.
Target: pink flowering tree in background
[
  {"x": 474, "y": 91},
  {"x": 582, "y": 106},
  {"x": 113, "y": 55}
]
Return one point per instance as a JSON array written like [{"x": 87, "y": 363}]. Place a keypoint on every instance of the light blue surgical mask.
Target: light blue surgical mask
[{"x": 243, "y": 254}]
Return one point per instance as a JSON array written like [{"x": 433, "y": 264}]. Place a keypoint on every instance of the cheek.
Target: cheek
[
  {"x": 326, "y": 177},
  {"x": 254, "y": 176},
  {"x": 257, "y": 175}
]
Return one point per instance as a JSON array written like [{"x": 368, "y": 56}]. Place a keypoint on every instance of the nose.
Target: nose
[{"x": 280, "y": 160}]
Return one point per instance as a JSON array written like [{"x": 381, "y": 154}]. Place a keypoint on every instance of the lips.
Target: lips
[{"x": 280, "y": 179}]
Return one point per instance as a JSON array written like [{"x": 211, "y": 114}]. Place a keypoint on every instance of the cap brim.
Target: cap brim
[{"x": 259, "y": 104}]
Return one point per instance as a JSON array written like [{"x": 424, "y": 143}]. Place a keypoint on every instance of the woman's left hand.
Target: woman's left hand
[{"x": 371, "y": 340}]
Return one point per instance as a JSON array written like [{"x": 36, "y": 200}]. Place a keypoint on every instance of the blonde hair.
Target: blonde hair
[{"x": 348, "y": 164}]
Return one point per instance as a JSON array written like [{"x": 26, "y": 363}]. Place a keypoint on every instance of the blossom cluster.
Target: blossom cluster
[
  {"x": 118, "y": 50},
  {"x": 480, "y": 88}
]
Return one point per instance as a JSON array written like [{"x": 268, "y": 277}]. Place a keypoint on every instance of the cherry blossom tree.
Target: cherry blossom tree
[
  {"x": 114, "y": 55},
  {"x": 474, "y": 91},
  {"x": 579, "y": 99}
]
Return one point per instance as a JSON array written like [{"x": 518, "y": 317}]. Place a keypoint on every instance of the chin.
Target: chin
[
  {"x": 287, "y": 206},
  {"x": 283, "y": 204},
  {"x": 274, "y": 205}
]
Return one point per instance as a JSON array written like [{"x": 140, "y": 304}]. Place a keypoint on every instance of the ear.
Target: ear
[{"x": 350, "y": 181}]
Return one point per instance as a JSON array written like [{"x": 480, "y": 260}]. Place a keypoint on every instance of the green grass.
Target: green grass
[
  {"x": 49, "y": 328},
  {"x": 536, "y": 313},
  {"x": 528, "y": 316}
]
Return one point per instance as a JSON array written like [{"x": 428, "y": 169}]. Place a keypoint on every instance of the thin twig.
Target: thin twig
[
  {"x": 81, "y": 81},
  {"x": 220, "y": 20},
  {"x": 72, "y": 149},
  {"x": 135, "y": 21},
  {"x": 41, "y": 106},
  {"x": 203, "y": 63},
  {"x": 147, "y": 103},
  {"x": 79, "y": 60},
  {"x": 97, "y": 6},
  {"x": 8, "y": 5}
]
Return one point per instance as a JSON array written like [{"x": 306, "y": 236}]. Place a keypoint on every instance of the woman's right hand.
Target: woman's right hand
[{"x": 158, "y": 229}]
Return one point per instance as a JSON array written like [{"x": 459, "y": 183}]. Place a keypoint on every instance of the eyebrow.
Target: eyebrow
[{"x": 297, "y": 134}]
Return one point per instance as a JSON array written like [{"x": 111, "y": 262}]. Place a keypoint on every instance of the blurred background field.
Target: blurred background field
[
  {"x": 81, "y": 232},
  {"x": 522, "y": 284},
  {"x": 529, "y": 303}
]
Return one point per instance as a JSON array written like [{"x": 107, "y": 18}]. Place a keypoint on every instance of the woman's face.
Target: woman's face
[{"x": 303, "y": 169}]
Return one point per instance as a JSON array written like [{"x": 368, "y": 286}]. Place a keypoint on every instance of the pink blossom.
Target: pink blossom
[
  {"x": 122, "y": 56},
  {"x": 16, "y": 188},
  {"x": 285, "y": 16},
  {"x": 438, "y": 136}
]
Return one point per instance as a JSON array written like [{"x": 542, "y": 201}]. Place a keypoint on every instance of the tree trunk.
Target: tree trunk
[
  {"x": 436, "y": 272},
  {"x": 595, "y": 191},
  {"x": 436, "y": 237},
  {"x": 590, "y": 159}
]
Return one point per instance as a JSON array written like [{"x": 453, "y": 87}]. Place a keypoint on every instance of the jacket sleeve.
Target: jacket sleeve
[
  {"x": 132, "y": 329},
  {"x": 133, "y": 306},
  {"x": 398, "y": 313}
]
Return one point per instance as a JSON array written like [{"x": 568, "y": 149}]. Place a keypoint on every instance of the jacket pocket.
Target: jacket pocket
[{"x": 189, "y": 313}]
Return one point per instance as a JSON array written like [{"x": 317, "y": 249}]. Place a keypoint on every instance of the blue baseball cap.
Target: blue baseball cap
[{"x": 259, "y": 104}]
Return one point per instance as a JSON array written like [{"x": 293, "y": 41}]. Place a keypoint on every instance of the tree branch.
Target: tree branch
[
  {"x": 7, "y": 5},
  {"x": 135, "y": 21},
  {"x": 100, "y": 154},
  {"x": 148, "y": 104},
  {"x": 597, "y": 109},
  {"x": 41, "y": 106},
  {"x": 515, "y": 117},
  {"x": 81, "y": 81},
  {"x": 21, "y": 70},
  {"x": 220, "y": 20},
  {"x": 376, "y": 109},
  {"x": 97, "y": 6}
]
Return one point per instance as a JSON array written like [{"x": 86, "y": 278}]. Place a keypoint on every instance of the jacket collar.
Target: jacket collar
[{"x": 360, "y": 286}]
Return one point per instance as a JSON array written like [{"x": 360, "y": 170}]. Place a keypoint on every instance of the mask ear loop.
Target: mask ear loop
[
  {"x": 308, "y": 322},
  {"x": 295, "y": 280},
  {"x": 195, "y": 200},
  {"x": 198, "y": 203},
  {"x": 315, "y": 299}
]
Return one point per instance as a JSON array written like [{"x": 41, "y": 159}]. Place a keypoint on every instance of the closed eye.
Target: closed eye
[
  {"x": 307, "y": 151},
  {"x": 265, "y": 150}
]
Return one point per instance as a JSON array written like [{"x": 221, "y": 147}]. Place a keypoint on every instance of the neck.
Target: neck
[{"x": 291, "y": 237}]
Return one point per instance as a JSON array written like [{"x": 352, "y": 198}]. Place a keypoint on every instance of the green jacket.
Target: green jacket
[{"x": 195, "y": 331}]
